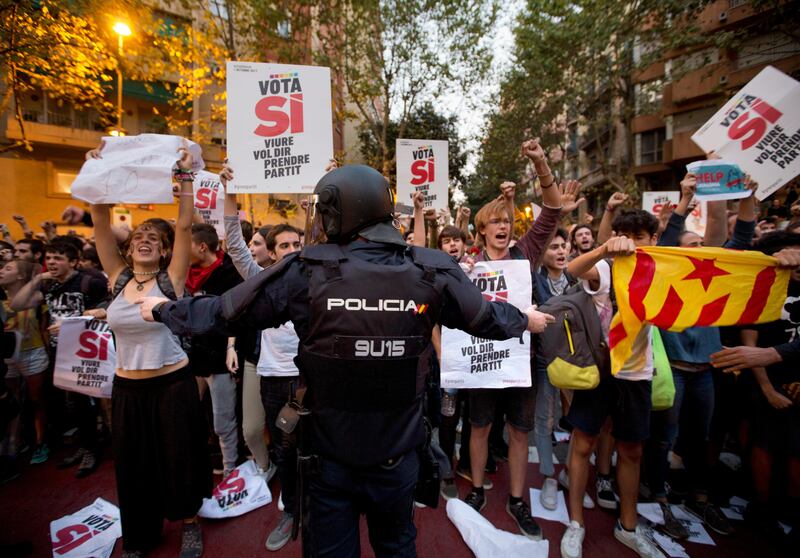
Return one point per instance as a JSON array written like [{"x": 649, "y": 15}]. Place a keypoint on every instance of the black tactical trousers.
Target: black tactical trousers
[{"x": 385, "y": 493}]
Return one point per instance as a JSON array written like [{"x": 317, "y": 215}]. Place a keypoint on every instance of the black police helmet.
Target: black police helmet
[{"x": 352, "y": 198}]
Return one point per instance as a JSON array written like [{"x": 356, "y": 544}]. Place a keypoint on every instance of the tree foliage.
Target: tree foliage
[
  {"x": 45, "y": 46},
  {"x": 388, "y": 56},
  {"x": 576, "y": 61},
  {"x": 69, "y": 50}
]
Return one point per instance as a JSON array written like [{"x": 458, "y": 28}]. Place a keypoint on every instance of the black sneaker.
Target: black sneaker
[
  {"x": 89, "y": 464},
  {"x": 476, "y": 501},
  {"x": 522, "y": 515},
  {"x": 672, "y": 526},
  {"x": 72, "y": 460},
  {"x": 712, "y": 516},
  {"x": 491, "y": 464},
  {"x": 499, "y": 451},
  {"x": 467, "y": 474},
  {"x": 605, "y": 493}
]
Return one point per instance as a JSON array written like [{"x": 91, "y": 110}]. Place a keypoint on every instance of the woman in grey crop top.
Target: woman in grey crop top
[{"x": 159, "y": 433}]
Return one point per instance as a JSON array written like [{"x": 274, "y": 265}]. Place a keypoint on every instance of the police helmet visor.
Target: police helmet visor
[{"x": 315, "y": 229}]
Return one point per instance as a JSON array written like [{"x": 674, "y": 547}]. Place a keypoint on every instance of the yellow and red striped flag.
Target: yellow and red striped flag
[{"x": 677, "y": 288}]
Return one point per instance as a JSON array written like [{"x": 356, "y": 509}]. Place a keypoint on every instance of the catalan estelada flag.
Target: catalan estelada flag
[{"x": 677, "y": 288}]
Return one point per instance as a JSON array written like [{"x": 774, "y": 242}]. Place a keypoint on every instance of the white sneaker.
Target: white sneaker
[
  {"x": 563, "y": 480},
  {"x": 549, "y": 494},
  {"x": 637, "y": 541},
  {"x": 572, "y": 541},
  {"x": 269, "y": 473}
]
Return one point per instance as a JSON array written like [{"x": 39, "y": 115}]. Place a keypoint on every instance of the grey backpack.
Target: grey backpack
[{"x": 573, "y": 347}]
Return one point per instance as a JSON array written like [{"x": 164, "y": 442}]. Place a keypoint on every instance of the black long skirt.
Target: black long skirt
[{"x": 161, "y": 455}]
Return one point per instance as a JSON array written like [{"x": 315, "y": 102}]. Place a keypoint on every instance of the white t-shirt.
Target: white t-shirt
[
  {"x": 278, "y": 349},
  {"x": 640, "y": 365}
]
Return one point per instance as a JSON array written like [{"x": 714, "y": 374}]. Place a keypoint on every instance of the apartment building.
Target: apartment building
[
  {"x": 672, "y": 99},
  {"x": 37, "y": 183}
]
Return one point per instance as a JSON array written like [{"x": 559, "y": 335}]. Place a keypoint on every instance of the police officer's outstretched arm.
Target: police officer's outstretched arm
[
  {"x": 466, "y": 309},
  {"x": 260, "y": 302}
]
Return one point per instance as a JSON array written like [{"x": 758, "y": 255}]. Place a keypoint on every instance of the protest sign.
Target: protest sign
[
  {"x": 133, "y": 169},
  {"x": 472, "y": 362},
  {"x": 240, "y": 492},
  {"x": 280, "y": 127},
  {"x": 718, "y": 180},
  {"x": 422, "y": 166},
  {"x": 121, "y": 217},
  {"x": 89, "y": 533},
  {"x": 86, "y": 357},
  {"x": 697, "y": 218},
  {"x": 209, "y": 200},
  {"x": 759, "y": 129},
  {"x": 652, "y": 202}
]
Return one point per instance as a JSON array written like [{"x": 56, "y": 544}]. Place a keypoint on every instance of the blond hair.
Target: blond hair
[{"x": 495, "y": 208}]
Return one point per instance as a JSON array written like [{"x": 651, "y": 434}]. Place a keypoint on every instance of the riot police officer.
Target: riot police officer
[{"x": 363, "y": 304}]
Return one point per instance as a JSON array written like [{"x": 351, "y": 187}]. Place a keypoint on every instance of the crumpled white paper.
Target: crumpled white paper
[
  {"x": 133, "y": 169},
  {"x": 88, "y": 533},
  {"x": 242, "y": 491},
  {"x": 487, "y": 541}
]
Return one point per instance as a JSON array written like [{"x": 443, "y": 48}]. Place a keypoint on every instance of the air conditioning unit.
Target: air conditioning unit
[
  {"x": 723, "y": 80},
  {"x": 723, "y": 16}
]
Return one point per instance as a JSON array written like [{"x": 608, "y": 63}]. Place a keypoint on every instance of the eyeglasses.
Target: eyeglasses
[{"x": 499, "y": 221}]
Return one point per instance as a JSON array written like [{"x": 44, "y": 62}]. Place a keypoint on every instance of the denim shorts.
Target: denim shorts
[
  {"x": 627, "y": 402},
  {"x": 516, "y": 402}
]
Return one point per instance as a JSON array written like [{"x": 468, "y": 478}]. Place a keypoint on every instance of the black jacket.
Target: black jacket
[{"x": 207, "y": 353}]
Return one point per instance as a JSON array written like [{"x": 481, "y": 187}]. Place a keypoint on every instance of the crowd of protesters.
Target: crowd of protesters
[{"x": 630, "y": 452}]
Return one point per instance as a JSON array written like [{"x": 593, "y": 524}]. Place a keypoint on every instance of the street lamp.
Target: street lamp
[{"x": 122, "y": 30}]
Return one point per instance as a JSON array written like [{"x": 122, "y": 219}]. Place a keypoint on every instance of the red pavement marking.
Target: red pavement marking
[{"x": 43, "y": 493}]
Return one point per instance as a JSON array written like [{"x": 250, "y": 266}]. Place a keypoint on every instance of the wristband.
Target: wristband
[
  {"x": 231, "y": 347},
  {"x": 610, "y": 209},
  {"x": 183, "y": 176}
]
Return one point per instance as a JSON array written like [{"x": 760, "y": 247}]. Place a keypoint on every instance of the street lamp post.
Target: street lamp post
[{"x": 122, "y": 30}]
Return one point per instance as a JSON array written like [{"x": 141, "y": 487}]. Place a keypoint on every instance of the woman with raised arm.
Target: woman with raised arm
[{"x": 159, "y": 433}]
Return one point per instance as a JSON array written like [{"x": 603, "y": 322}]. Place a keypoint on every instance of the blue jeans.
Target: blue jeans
[
  {"x": 690, "y": 419},
  {"x": 694, "y": 407},
  {"x": 547, "y": 400},
  {"x": 340, "y": 494}
]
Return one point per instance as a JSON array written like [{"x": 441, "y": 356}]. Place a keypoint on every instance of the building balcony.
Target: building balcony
[
  {"x": 684, "y": 148},
  {"x": 703, "y": 82},
  {"x": 60, "y": 130},
  {"x": 725, "y": 13},
  {"x": 650, "y": 169},
  {"x": 646, "y": 122}
]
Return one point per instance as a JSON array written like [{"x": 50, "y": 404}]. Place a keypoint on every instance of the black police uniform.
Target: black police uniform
[
  {"x": 363, "y": 312},
  {"x": 363, "y": 307}
]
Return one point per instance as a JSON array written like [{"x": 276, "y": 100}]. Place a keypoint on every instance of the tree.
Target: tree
[
  {"x": 45, "y": 46},
  {"x": 578, "y": 61},
  {"x": 68, "y": 49},
  {"x": 388, "y": 56},
  {"x": 422, "y": 123}
]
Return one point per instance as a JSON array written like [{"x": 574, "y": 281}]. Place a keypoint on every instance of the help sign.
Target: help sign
[{"x": 718, "y": 180}]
